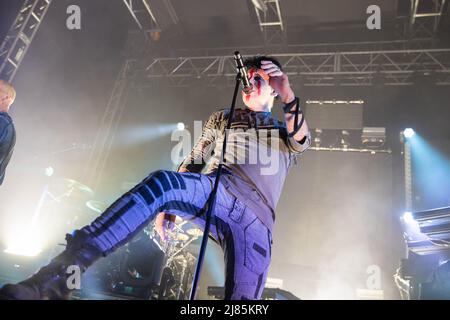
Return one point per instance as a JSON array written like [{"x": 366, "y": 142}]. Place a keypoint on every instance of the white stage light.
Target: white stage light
[
  {"x": 408, "y": 133},
  {"x": 180, "y": 126},
  {"x": 24, "y": 244},
  {"x": 407, "y": 216}
]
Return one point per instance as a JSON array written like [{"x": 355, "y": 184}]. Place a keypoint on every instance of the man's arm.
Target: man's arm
[
  {"x": 299, "y": 135},
  {"x": 194, "y": 162},
  {"x": 302, "y": 133},
  {"x": 199, "y": 155},
  {"x": 7, "y": 141}
]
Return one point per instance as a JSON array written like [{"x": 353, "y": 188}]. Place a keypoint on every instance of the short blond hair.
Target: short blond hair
[{"x": 7, "y": 93}]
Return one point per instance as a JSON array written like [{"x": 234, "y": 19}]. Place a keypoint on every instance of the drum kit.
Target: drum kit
[
  {"x": 147, "y": 266},
  {"x": 180, "y": 263}
]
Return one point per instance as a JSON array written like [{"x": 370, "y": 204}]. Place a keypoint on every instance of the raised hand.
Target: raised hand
[{"x": 278, "y": 80}]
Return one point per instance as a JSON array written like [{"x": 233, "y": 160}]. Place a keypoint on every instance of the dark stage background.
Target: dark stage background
[{"x": 335, "y": 221}]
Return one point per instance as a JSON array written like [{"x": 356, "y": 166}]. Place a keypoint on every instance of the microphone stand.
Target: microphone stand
[{"x": 209, "y": 206}]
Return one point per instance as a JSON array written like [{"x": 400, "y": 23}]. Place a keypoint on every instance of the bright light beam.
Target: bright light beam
[
  {"x": 25, "y": 243},
  {"x": 143, "y": 134},
  {"x": 431, "y": 174},
  {"x": 407, "y": 216},
  {"x": 180, "y": 126},
  {"x": 408, "y": 133},
  {"x": 411, "y": 228}
]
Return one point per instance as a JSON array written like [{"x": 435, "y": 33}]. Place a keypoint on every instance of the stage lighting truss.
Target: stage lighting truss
[
  {"x": 351, "y": 68},
  {"x": 431, "y": 11},
  {"x": 367, "y": 140},
  {"x": 145, "y": 18},
  {"x": 101, "y": 149},
  {"x": 270, "y": 20},
  {"x": 20, "y": 36}
]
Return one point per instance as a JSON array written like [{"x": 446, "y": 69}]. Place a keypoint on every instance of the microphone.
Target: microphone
[{"x": 243, "y": 72}]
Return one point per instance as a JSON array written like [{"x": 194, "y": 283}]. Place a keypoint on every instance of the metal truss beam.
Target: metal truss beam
[
  {"x": 348, "y": 68},
  {"x": 270, "y": 20},
  {"x": 356, "y": 150},
  {"x": 20, "y": 36},
  {"x": 417, "y": 43},
  {"x": 407, "y": 174},
  {"x": 171, "y": 10},
  {"x": 108, "y": 126},
  {"x": 142, "y": 14},
  {"x": 435, "y": 15}
]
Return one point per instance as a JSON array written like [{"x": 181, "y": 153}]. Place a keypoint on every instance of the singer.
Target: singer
[
  {"x": 244, "y": 213},
  {"x": 7, "y": 130}
]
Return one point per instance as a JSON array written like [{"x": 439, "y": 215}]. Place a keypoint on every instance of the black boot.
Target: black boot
[{"x": 51, "y": 281}]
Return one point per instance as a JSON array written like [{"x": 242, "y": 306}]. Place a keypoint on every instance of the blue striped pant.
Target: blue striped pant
[{"x": 244, "y": 239}]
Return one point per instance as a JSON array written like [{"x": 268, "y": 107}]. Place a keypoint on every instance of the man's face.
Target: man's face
[
  {"x": 6, "y": 97},
  {"x": 262, "y": 93}
]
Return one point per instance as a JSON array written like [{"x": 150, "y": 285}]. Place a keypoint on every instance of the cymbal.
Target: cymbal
[
  {"x": 181, "y": 237},
  {"x": 178, "y": 219},
  {"x": 97, "y": 206},
  {"x": 184, "y": 256},
  {"x": 194, "y": 232},
  {"x": 73, "y": 184}
]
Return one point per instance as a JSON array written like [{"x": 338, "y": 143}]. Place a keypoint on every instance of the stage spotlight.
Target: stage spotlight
[
  {"x": 25, "y": 244},
  {"x": 317, "y": 138},
  {"x": 180, "y": 126},
  {"x": 345, "y": 139},
  {"x": 23, "y": 250},
  {"x": 411, "y": 228},
  {"x": 407, "y": 216},
  {"x": 408, "y": 133},
  {"x": 49, "y": 171}
]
